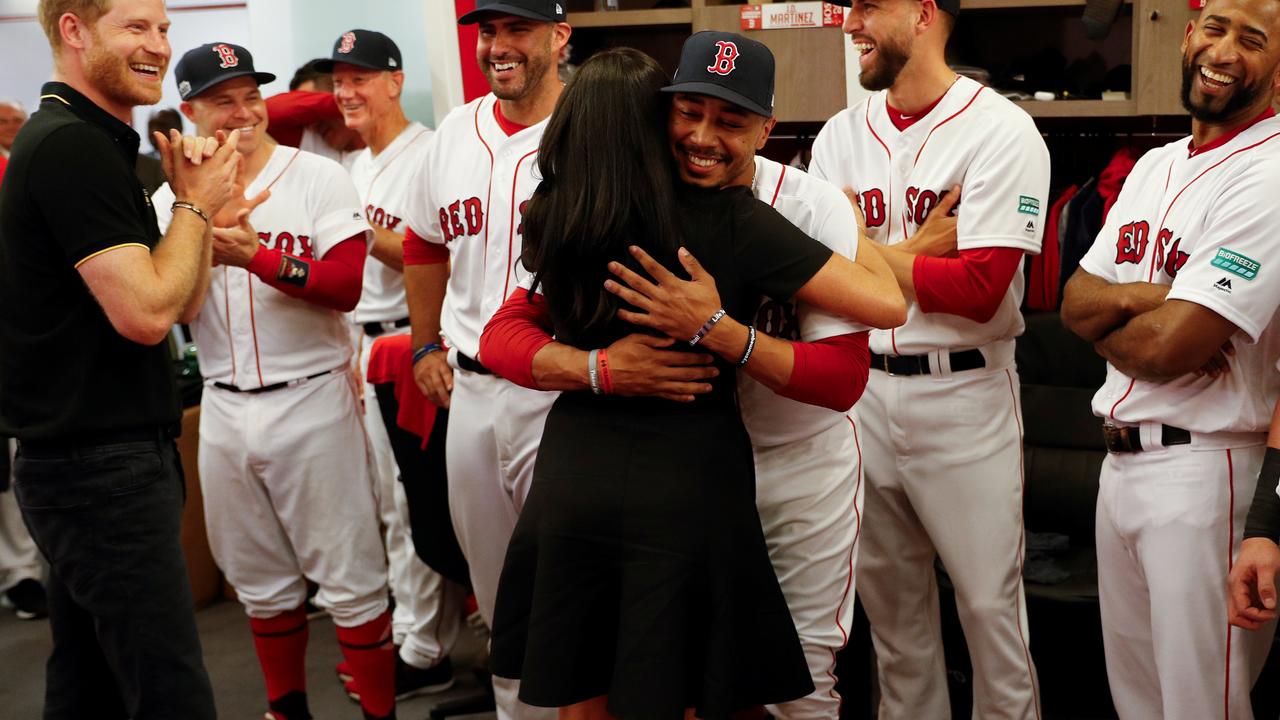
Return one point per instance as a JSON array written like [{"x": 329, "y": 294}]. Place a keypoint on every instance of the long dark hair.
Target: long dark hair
[{"x": 607, "y": 182}]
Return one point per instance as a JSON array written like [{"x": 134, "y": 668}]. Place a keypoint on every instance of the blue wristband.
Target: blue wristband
[{"x": 425, "y": 350}]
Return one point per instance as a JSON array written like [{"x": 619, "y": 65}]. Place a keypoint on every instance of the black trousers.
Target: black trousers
[
  {"x": 107, "y": 518},
  {"x": 426, "y": 489}
]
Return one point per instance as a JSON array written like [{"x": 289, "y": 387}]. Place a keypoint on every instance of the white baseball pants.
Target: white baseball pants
[
  {"x": 809, "y": 495},
  {"x": 1170, "y": 521},
  {"x": 944, "y": 478},
  {"x": 495, "y": 428},
  {"x": 286, "y": 497}
]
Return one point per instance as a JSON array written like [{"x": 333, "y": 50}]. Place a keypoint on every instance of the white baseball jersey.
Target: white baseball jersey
[
  {"x": 900, "y": 175},
  {"x": 313, "y": 142},
  {"x": 383, "y": 184},
  {"x": 1204, "y": 223},
  {"x": 250, "y": 334},
  {"x": 822, "y": 212},
  {"x": 476, "y": 213}
]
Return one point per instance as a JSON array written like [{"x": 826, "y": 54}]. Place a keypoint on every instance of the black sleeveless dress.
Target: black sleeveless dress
[{"x": 638, "y": 568}]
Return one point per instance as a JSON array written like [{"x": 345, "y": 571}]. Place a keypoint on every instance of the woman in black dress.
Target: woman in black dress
[{"x": 637, "y": 574}]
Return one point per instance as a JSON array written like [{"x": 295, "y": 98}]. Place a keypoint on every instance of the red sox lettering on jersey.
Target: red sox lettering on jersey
[
  {"x": 1202, "y": 223},
  {"x": 900, "y": 175},
  {"x": 476, "y": 214},
  {"x": 383, "y": 183},
  {"x": 251, "y": 334}
]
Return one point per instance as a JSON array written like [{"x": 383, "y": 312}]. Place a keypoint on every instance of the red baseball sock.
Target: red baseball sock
[
  {"x": 281, "y": 642},
  {"x": 372, "y": 656}
]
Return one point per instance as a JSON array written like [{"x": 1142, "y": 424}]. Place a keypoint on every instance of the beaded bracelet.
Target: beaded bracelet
[
  {"x": 706, "y": 327},
  {"x": 593, "y": 371},
  {"x": 751, "y": 345},
  {"x": 424, "y": 351}
]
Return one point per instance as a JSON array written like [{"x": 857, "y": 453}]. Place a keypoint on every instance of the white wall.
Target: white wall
[{"x": 281, "y": 34}]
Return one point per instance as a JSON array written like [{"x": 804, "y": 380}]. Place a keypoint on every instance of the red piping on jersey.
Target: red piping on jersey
[
  {"x": 944, "y": 122},
  {"x": 1231, "y": 534},
  {"x": 1122, "y": 399},
  {"x": 511, "y": 227},
  {"x": 1229, "y": 135},
  {"x": 488, "y": 193},
  {"x": 1022, "y": 543},
  {"x": 779, "y": 188},
  {"x": 848, "y": 585},
  {"x": 1151, "y": 273},
  {"x": 1230, "y": 543},
  {"x": 253, "y": 325},
  {"x": 287, "y": 165},
  {"x": 888, "y": 211},
  {"x": 368, "y": 193},
  {"x": 226, "y": 307}
]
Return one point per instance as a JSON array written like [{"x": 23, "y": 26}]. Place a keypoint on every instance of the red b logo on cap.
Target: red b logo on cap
[
  {"x": 726, "y": 57},
  {"x": 348, "y": 43},
  {"x": 226, "y": 56}
]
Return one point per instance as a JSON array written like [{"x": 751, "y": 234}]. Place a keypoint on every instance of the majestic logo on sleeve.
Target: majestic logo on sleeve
[
  {"x": 726, "y": 58},
  {"x": 381, "y": 218},
  {"x": 1134, "y": 239},
  {"x": 348, "y": 43},
  {"x": 226, "y": 56},
  {"x": 462, "y": 218}
]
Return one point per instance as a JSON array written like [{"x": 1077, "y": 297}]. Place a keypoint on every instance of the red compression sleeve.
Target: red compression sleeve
[
  {"x": 515, "y": 333},
  {"x": 418, "y": 251},
  {"x": 288, "y": 114},
  {"x": 830, "y": 373},
  {"x": 333, "y": 281},
  {"x": 971, "y": 286}
]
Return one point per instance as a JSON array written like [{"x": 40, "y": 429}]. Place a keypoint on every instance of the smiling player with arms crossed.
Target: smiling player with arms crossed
[{"x": 1180, "y": 268}]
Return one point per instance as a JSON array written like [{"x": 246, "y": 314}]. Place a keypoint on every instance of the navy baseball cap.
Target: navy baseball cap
[
  {"x": 951, "y": 6},
  {"x": 364, "y": 48},
  {"x": 213, "y": 63},
  {"x": 544, "y": 10},
  {"x": 726, "y": 66}
]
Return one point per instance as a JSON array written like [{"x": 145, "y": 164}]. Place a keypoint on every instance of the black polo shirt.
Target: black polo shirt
[{"x": 70, "y": 194}]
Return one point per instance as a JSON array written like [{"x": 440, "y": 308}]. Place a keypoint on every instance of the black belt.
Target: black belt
[
  {"x": 70, "y": 443},
  {"x": 374, "y": 329},
  {"x": 272, "y": 386},
  {"x": 919, "y": 364},
  {"x": 470, "y": 364},
  {"x": 1124, "y": 438}
]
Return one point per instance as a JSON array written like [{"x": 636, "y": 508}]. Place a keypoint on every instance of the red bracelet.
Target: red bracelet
[{"x": 606, "y": 380}]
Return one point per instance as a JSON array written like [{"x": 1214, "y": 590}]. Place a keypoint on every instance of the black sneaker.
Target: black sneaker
[
  {"x": 412, "y": 681},
  {"x": 28, "y": 600}
]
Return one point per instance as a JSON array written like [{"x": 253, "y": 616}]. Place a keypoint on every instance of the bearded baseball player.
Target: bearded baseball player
[
  {"x": 282, "y": 447},
  {"x": 807, "y": 368},
  {"x": 462, "y": 238},
  {"x": 942, "y": 432},
  {"x": 1176, "y": 294},
  {"x": 368, "y": 79}
]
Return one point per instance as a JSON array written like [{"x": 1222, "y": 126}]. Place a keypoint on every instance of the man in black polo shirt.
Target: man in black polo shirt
[{"x": 88, "y": 293}]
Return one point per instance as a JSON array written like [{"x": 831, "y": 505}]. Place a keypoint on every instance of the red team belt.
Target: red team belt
[
  {"x": 1125, "y": 438},
  {"x": 272, "y": 386},
  {"x": 919, "y": 364}
]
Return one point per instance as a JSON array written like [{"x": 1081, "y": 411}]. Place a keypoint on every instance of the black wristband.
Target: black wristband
[{"x": 1264, "y": 513}]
